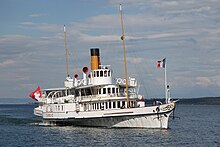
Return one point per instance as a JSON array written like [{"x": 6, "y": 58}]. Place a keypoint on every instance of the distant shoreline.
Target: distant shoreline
[
  {"x": 195, "y": 101},
  {"x": 201, "y": 101}
]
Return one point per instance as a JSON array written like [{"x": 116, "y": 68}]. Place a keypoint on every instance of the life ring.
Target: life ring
[
  {"x": 119, "y": 80},
  {"x": 130, "y": 90},
  {"x": 124, "y": 82}
]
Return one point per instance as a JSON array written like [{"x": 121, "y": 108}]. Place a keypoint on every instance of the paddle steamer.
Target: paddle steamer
[{"x": 99, "y": 100}]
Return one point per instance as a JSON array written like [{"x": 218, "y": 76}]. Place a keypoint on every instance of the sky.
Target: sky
[{"x": 186, "y": 33}]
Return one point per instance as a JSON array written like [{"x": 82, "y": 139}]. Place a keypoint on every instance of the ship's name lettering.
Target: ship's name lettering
[
  {"x": 49, "y": 115},
  {"x": 168, "y": 107}
]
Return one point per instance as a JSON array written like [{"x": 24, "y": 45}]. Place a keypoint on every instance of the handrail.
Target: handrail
[
  {"x": 55, "y": 94},
  {"x": 50, "y": 94}
]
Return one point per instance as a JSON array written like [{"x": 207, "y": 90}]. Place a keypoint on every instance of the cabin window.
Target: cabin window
[
  {"x": 82, "y": 92},
  {"x": 106, "y": 105},
  {"x": 131, "y": 104},
  {"x": 97, "y": 105},
  {"x": 109, "y": 90},
  {"x": 101, "y": 73},
  {"x": 113, "y": 90},
  {"x": 94, "y": 75},
  {"x": 110, "y": 105},
  {"x": 67, "y": 92},
  {"x": 85, "y": 107},
  {"x": 109, "y": 73},
  {"x": 116, "y": 90},
  {"x": 97, "y": 73},
  {"x": 88, "y": 91},
  {"x": 105, "y": 73},
  {"x": 118, "y": 104},
  {"x": 72, "y": 91},
  {"x": 99, "y": 91},
  {"x": 113, "y": 104},
  {"x": 104, "y": 90},
  {"x": 77, "y": 92},
  {"x": 123, "y": 103}
]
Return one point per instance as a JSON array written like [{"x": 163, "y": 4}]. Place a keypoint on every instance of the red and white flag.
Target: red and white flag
[
  {"x": 161, "y": 63},
  {"x": 37, "y": 94}
]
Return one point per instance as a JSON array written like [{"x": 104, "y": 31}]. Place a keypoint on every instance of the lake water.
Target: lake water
[{"x": 198, "y": 125}]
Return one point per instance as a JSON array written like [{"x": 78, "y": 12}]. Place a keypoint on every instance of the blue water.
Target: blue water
[{"x": 198, "y": 125}]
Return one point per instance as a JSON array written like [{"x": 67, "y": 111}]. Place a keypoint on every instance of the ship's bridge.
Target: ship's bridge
[{"x": 100, "y": 76}]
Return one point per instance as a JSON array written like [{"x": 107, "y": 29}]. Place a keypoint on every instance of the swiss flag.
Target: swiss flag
[{"x": 36, "y": 94}]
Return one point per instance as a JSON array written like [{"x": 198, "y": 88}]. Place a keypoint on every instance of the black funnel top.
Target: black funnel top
[{"x": 94, "y": 51}]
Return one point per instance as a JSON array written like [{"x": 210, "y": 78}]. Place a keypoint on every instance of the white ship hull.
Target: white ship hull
[{"x": 145, "y": 117}]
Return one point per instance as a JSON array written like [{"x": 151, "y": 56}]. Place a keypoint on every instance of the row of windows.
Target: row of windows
[
  {"x": 101, "y": 73},
  {"x": 58, "y": 108},
  {"x": 107, "y": 105},
  {"x": 108, "y": 90},
  {"x": 87, "y": 92}
]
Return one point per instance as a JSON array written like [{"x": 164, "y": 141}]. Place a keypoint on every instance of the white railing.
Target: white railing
[
  {"x": 131, "y": 95},
  {"x": 131, "y": 81}
]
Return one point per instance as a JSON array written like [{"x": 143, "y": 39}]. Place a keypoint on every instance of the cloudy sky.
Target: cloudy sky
[{"x": 186, "y": 32}]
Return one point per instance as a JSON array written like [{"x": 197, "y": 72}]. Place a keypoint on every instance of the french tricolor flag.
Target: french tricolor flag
[{"x": 161, "y": 63}]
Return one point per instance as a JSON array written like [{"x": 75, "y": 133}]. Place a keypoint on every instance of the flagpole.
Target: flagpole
[{"x": 165, "y": 80}]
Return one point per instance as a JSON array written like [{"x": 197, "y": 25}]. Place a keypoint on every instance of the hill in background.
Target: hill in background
[
  {"x": 192, "y": 101},
  {"x": 201, "y": 101}
]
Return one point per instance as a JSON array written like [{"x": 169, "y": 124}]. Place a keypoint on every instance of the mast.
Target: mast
[
  {"x": 64, "y": 30},
  {"x": 125, "y": 65}
]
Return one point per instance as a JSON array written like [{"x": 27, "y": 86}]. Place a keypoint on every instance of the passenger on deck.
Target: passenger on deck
[
  {"x": 123, "y": 107},
  {"x": 68, "y": 78}
]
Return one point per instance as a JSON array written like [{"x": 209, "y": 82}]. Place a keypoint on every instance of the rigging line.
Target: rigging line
[
  {"x": 76, "y": 64},
  {"x": 138, "y": 68},
  {"x": 71, "y": 59},
  {"x": 146, "y": 87},
  {"x": 68, "y": 53}
]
